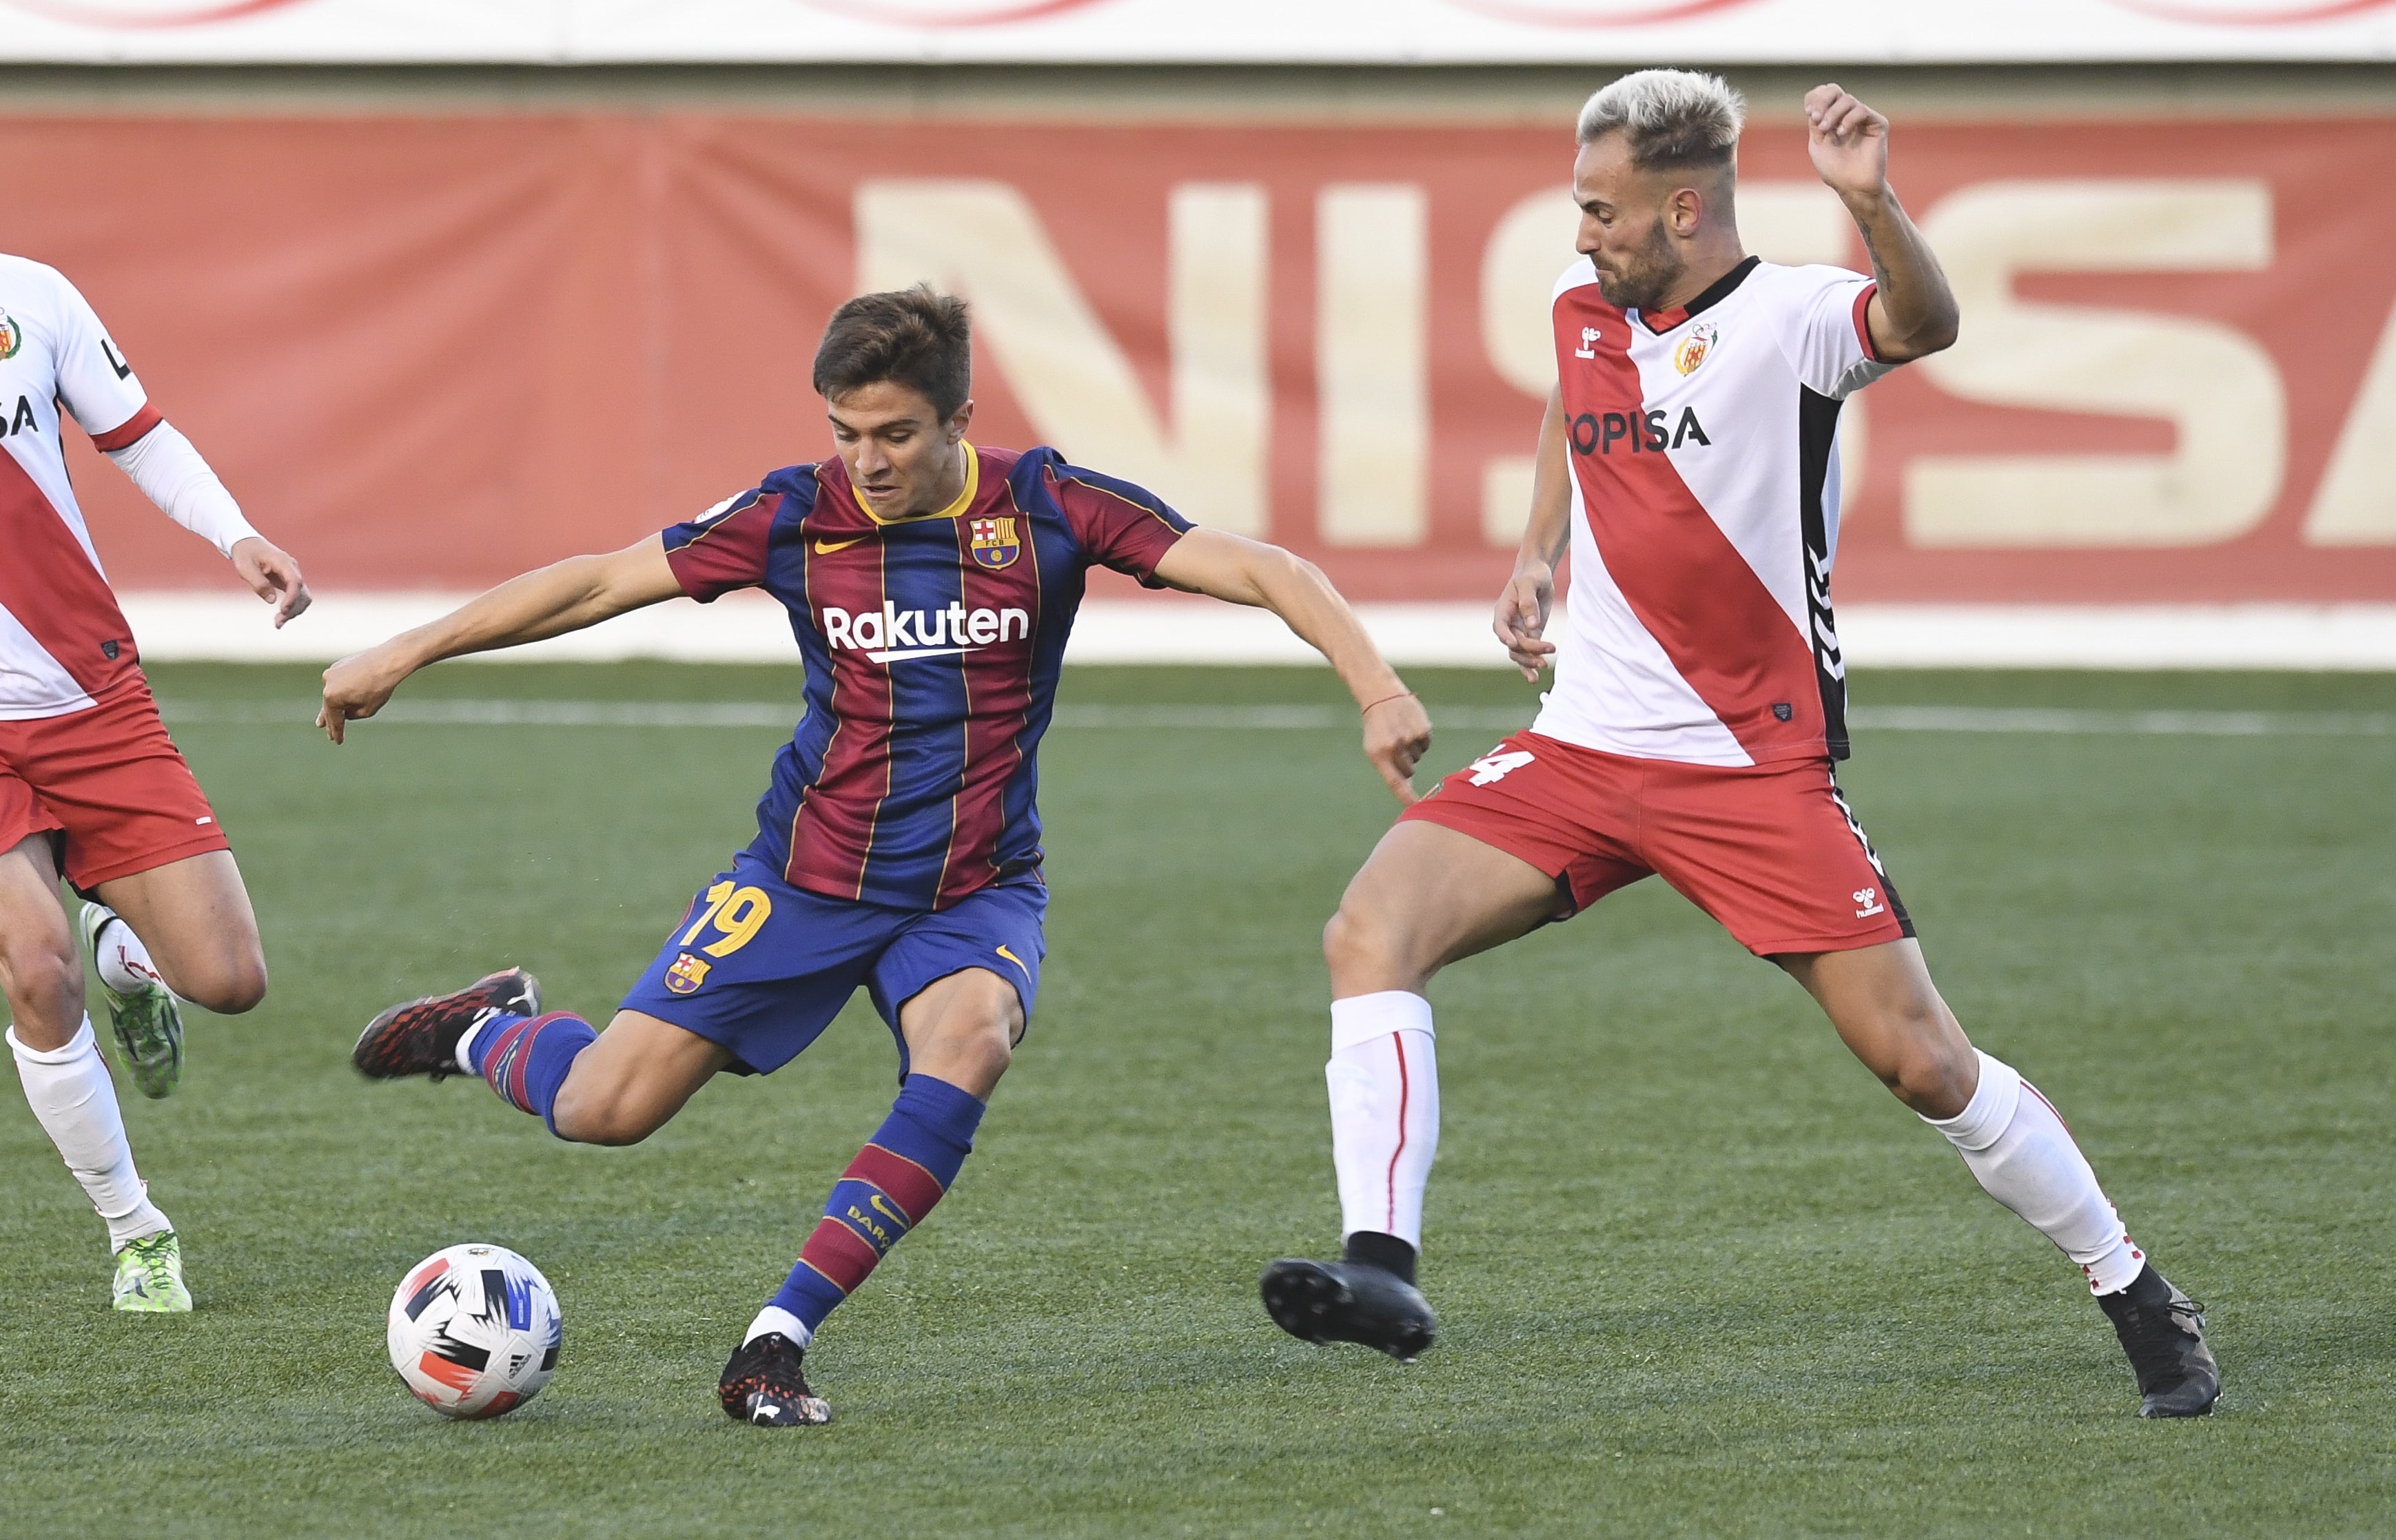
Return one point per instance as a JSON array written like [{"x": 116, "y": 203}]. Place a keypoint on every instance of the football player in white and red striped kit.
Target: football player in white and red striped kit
[
  {"x": 90, "y": 785},
  {"x": 1689, "y": 460}
]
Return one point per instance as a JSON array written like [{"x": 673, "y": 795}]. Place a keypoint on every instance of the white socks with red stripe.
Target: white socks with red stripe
[
  {"x": 75, "y": 1103},
  {"x": 1384, "y": 1078},
  {"x": 122, "y": 960},
  {"x": 2026, "y": 1158}
]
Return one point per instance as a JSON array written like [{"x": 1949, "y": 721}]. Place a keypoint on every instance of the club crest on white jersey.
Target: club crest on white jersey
[
  {"x": 1694, "y": 348},
  {"x": 63, "y": 640},
  {"x": 1703, "y": 477}
]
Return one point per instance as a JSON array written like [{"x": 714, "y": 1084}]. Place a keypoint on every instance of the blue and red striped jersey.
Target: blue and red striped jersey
[{"x": 933, "y": 647}]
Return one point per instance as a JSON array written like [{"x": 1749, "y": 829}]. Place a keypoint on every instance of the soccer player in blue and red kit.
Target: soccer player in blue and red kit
[{"x": 931, "y": 587}]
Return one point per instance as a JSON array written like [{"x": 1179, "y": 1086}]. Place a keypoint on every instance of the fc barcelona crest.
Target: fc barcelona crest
[
  {"x": 686, "y": 974},
  {"x": 995, "y": 544}
]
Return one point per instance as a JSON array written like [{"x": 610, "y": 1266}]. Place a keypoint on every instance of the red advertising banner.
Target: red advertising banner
[
  {"x": 429, "y": 352},
  {"x": 1389, "y": 31}
]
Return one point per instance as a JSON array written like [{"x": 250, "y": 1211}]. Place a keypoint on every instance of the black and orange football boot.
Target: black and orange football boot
[
  {"x": 420, "y": 1037},
  {"x": 764, "y": 1385}
]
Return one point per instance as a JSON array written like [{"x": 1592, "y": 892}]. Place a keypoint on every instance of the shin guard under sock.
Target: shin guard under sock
[
  {"x": 121, "y": 962},
  {"x": 1384, "y": 1082},
  {"x": 75, "y": 1101},
  {"x": 886, "y": 1192},
  {"x": 526, "y": 1059},
  {"x": 2019, "y": 1150}
]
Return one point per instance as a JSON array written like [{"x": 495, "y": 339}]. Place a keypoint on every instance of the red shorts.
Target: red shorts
[
  {"x": 110, "y": 781},
  {"x": 1771, "y": 851}
]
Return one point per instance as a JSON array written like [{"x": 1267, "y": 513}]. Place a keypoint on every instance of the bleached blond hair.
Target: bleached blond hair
[{"x": 1675, "y": 119}]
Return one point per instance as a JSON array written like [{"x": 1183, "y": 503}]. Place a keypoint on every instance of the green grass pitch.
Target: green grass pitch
[{"x": 1699, "y": 1274}]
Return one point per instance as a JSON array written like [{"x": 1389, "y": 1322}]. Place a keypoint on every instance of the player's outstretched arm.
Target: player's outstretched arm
[
  {"x": 551, "y": 600},
  {"x": 98, "y": 388},
  {"x": 169, "y": 472},
  {"x": 1521, "y": 619},
  {"x": 1232, "y": 567},
  {"x": 273, "y": 575},
  {"x": 1913, "y": 313}
]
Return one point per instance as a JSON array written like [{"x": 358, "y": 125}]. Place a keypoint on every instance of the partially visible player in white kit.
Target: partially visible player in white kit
[
  {"x": 1689, "y": 458},
  {"x": 90, "y": 785}
]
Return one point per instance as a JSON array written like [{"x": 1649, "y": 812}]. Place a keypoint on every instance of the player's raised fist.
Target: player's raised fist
[{"x": 1847, "y": 140}]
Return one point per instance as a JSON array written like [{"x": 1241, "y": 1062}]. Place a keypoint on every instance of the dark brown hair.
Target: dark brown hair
[{"x": 918, "y": 337}]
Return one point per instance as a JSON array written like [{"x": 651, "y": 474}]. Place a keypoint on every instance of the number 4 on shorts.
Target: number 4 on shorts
[{"x": 1496, "y": 767}]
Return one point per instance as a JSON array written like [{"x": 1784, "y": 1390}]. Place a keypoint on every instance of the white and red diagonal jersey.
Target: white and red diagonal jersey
[
  {"x": 1705, "y": 508},
  {"x": 63, "y": 642}
]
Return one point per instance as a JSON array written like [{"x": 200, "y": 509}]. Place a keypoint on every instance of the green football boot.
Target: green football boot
[
  {"x": 148, "y": 1023},
  {"x": 150, "y": 1276}
]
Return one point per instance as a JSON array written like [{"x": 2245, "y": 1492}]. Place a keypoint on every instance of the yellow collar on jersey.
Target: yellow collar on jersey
[{"x": 965, "y": 498}]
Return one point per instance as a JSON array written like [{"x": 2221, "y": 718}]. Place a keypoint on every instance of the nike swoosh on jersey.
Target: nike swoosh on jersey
[{"x": 825, "y": 548}]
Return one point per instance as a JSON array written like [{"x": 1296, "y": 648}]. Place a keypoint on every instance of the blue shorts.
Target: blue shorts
[{"x": 762, "y": 967}]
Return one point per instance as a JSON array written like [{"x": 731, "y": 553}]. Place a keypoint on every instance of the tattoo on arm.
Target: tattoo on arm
[{"x": 1871, "y": 249}]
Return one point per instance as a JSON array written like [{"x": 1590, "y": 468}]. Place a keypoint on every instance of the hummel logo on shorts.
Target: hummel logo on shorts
[{"x": 1869, "y": 904}]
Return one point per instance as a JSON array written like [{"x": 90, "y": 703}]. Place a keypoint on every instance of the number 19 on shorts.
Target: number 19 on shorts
[{"x": 736, "y": 913}]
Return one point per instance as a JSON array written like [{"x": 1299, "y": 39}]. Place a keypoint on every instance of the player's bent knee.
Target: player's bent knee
[
  {"x": 1934, "y": 1081},
  {"x": 1367, "y": 949},
  {"x": 608, "y": 1117},
  {"x": 997, "y": 1043},
  {"x": 1355, "y": 936},
  {"x": 230, "y": 987},
  {"x": 598, "y": 1109},
  {"x": 967, "y": 1038},
  {"x": 617, "y": 1133},
  {"x": 43, "y": 980},
  {"x": 972, "y": 1053}
]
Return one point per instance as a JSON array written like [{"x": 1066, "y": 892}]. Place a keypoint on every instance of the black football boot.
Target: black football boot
[
  {"x": 1368, "y": 1297},
  {"x": 2162, "y": 1330},
  {"x": 764, "y": 1385},
  {"x": 420, "y": 1037}
]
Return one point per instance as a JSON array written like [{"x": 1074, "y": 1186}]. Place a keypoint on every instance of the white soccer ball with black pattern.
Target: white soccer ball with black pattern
[{"x": 474, "y": 1331}]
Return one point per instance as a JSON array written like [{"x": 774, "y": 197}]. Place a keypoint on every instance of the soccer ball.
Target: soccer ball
[{"x": 474, "y": 1331}]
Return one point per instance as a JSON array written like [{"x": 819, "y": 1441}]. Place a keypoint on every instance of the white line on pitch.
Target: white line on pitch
[
  {"x": 507, "y": 713},
  {"x": 2037, "y": 719},
  {"x": 781, "y": 715}
]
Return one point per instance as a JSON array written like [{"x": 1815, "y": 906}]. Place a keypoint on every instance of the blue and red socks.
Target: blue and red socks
[
  {"x": 887, "y": 1190},
  {"x": 913, "y": 1157},
  {"x": 526, "y": 1059}
]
